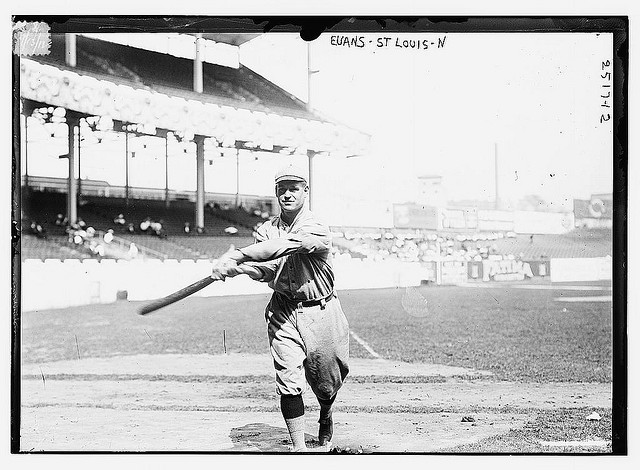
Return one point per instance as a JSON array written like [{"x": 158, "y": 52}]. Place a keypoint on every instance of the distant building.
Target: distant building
[
  {"x": 430, "y": 191},
  {"x": 596, "y": 212}
]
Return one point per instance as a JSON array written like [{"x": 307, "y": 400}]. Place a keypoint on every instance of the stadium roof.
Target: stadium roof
[
  {"x": 154, "y": 71},
  {"x": 233, "y": 39}
]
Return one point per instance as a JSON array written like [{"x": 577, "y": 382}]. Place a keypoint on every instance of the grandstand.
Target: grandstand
[
  {"x": 173, "y": 76},
  {"x": 99, "y": 213},
  {"x": 49, "y": 248},
  {"x": 143, "y": 92},
  {"x": 421, "y": 245}
]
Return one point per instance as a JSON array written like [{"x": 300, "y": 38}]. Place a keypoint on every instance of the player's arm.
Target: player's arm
[
  {"x": 263, "y": 272},
  {"x": 264, "y": 254},
  {"x": 309, "y": 239}
]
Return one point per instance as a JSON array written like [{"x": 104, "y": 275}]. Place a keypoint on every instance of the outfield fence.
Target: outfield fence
[{"x": 54, "y": 283}]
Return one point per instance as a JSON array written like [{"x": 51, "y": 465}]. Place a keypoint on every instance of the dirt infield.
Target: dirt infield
[{"x": 227, "y": 403}]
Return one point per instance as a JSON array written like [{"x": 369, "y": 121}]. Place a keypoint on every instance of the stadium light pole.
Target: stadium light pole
[
  {"x": 310, "y": 155},
  {"x": 495, "y": 166}
]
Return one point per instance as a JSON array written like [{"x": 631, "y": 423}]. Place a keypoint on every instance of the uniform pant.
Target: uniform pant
[{"x": 308, "y": 342}]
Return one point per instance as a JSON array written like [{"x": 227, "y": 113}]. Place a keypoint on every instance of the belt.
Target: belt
[
  {"x": 313, "y": 303},
  {"x": 307, "y": 303}
]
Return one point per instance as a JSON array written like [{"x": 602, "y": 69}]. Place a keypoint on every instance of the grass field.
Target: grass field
[
  {"x": 123, "y": 386},
  {"x": 518, "y": 334}
]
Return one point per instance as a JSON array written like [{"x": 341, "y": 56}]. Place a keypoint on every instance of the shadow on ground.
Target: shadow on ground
[{"x": 261, "y": 437}]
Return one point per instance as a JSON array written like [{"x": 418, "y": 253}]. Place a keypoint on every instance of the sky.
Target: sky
[
  {"x": 535, "y": 98},
  {"x": 446, "y": 105}
]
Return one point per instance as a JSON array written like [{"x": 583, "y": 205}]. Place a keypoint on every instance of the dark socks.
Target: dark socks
[
  {"x": 325, "y": 407},
  {"x": 292, "y": 407}
]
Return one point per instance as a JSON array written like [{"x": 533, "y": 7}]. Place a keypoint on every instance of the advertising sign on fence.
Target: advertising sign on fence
[
  {"x": 505, "y": 270},
  {"x": 491, "y": 270},
  {"x": 454, "y": 272}
]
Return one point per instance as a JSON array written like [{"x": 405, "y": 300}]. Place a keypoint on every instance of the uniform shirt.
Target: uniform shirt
[{"x": 294, "y": 259}]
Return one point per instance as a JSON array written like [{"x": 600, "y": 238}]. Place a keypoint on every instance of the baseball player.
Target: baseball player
[{"x": 308, "y": 332}]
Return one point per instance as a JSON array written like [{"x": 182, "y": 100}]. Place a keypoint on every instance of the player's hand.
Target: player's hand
[
  {"x": 225, "y": 267},
  {"x": 217, "y": 273}
]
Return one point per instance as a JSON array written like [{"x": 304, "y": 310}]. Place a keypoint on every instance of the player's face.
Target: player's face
[{"x": 291, "y": 195}]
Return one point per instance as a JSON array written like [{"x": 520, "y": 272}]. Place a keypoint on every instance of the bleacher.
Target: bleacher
[
  {"x": 33, "y": 247},
  {"x": 579, "y": 243},
  {"x": 99, "y": 213},
  {"x": 416, "y": 246},
  {"x": 211, "y": 247},
  {"x": 102, "y": 211},
  {"x": 238, "y": 217}
]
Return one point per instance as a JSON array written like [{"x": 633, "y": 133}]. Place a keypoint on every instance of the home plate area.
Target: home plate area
[{"x": 227, "y": 403}]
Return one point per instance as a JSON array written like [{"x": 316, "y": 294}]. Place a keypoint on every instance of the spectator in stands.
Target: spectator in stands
[
  {"x": 133, "y": 251},
  {"x": 145, "y": 224},
  {"x": 158, "y": 229},
  {"x": 38, "y": 230},
  {"x": 91, "y": 232},
  {"x": 79, "y": 236},
  {"x": 119, "y": 220},
  {"x": 108, "y": 237},
  {"x": 199, "y": 230},
  {"x": 231, "y": 230},
  {"x": 100, "y": 250},
  {"x": 187, "y": 228},
  {"x": 81, "y": 223},
  {"x": 264, "y": 215},
  {"x": 131, "y": 228},
  {"x": 60, "y": 220}
]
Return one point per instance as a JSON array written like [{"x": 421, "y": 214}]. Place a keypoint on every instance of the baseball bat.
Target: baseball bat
[{"x": 178, "y": 295}]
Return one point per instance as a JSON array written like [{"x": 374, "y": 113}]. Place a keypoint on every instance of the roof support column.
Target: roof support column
[
  {"x": 199, "y": 140},
  {"x": 25, "y": 150},
  {"x": 238, "y": 147},
  {"x": 79, "y": 163},
  {"x": 197, "y": 65},
  {"x": 72, "y": 201},
  {"x": 166, "y": 170},
  {"x": 70, "y": 56},
  {"x": 126, "y": 167}
]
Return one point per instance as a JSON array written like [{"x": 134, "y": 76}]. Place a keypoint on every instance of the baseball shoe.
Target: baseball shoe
[{"x": 325, "y": 433}]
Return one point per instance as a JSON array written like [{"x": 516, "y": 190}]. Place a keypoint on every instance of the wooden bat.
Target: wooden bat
[{"x": 178, "y": 295}]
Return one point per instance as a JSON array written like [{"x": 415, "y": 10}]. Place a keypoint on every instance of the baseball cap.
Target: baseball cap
[{"x": 292, "y": 172}]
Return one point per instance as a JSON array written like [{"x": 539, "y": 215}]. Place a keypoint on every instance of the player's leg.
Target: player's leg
[
  {"x": 325, "y": 430},
  {"x": 287, "y": 350},
  {"x": 325, "y": 332}
]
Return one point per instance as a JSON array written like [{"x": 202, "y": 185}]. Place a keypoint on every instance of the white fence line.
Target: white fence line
[{"x": 57, "y": 284}]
